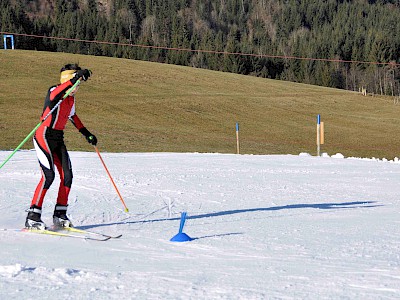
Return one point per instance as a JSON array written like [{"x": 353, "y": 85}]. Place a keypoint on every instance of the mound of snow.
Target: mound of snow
[{"x": 338, "y": 155}]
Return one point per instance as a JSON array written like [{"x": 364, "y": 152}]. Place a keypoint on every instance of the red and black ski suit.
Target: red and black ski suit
[{"x": 50, "y": 146}]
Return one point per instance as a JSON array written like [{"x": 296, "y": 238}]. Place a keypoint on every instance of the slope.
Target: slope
[
  {"x": 143, "y": 106},
  {"x": 264, "y": 227}
]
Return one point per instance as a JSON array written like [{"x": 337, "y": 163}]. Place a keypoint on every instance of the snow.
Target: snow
[{"x": 264, "y": 227}]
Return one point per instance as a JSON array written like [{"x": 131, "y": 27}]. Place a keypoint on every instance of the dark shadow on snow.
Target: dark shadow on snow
[
  {"x": 341, "y": 205},
  {"x": 292, "y": 206},
  {"x": 216, "y": 235}
]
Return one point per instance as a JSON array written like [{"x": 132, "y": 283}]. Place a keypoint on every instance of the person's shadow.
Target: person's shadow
[{"x": 340, "y": 205}]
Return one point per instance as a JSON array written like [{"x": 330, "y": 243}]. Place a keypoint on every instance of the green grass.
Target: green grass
[{"x": 136, "y": 106}]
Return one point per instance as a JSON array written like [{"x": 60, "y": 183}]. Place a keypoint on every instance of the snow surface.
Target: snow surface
[{"x": 264, "y": 227}]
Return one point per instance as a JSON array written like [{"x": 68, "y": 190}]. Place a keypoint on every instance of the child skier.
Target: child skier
[{"x": 51, "y": 149}]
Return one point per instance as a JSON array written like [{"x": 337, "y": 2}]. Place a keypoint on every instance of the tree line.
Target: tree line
[{"x": 358, "y": 31}]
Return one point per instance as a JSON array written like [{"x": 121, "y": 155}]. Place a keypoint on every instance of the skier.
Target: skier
[{"x": 51, "y": 150}]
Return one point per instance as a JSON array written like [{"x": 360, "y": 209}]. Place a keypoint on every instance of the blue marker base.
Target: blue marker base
[{"x": 181, "y": 237}]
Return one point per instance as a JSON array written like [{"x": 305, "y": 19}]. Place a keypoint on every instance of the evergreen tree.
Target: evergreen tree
[{"x": 341, "y": 30}]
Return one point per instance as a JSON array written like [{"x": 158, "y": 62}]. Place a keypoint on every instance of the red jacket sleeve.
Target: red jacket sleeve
[
  {"x": 59, "y": 91},
  {"x": 77, "y": 122}
]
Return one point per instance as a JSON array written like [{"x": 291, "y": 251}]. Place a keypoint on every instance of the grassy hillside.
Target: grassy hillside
[{"x": 136, "y": 106}]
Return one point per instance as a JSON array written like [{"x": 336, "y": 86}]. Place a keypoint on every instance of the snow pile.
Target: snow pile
[{"x": 340, "y": 155}]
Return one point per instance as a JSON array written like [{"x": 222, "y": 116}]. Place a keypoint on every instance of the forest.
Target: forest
[{"x": 349, "y": 45}]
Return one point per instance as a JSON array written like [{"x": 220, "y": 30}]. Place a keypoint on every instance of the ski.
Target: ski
[
  {"x": 64, "y": 234},
  {"x": 88, "y": 232}
]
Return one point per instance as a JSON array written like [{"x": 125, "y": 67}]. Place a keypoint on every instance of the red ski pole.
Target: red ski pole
[{"x": 109, "y": 175}]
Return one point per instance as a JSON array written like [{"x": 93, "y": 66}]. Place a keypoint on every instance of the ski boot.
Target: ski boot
[
  {"x": 33, "y": 219},
  {"x": 60, "y": 218}
]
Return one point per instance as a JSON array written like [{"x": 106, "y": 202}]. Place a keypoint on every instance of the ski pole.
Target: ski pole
[
  {"x": 40, "y": 123},
  {"x": 109, "y": 175}
]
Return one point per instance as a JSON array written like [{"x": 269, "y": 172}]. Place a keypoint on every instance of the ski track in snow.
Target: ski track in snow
[{"x": 264, "y": 227}]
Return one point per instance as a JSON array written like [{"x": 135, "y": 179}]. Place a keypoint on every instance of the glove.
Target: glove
[
  {"x": 84, "y": 74},
  {"x": 91, "y": 138}
]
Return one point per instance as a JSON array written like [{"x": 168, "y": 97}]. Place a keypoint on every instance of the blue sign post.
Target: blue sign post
[
  {"x": 181, "y": 236},
  {"x": 5, "y": 41},
  {"x": 320, "y": 134},
  {"x": 237, "y": 138}
]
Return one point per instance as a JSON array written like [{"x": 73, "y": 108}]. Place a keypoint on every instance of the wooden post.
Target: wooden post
[{"x": 322, "y": 133}]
